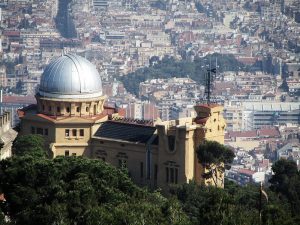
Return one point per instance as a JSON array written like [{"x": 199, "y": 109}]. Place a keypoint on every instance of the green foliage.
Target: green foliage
[
  {"x": 32, "y": 144},
  {"x": 231, "y": 205},
  {"x": 168, "y": 67},
  {"x": 214, "y": 157},
  {"x": 212, "y": 152},
  {"x": 286, "y": 182},
  {"x": 76, "y": 190}
]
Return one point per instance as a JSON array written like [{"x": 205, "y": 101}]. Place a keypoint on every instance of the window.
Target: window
[
  {"x": 171, "y": 142},
  {"x": 58, "y": 109},
  {"x": 155, "y": 171},
  {"x": 171, "y": 172},
  {"x": 87, "y": 109},
  {"x": 68, "y": 109},
  {"x": 95, "y": 109},
  {"x": 32, "y": 130},
  {"x": 77, "y": 109},
  {"x": 101, "y": 154},
  {"x": 171, "y": 175},
  {"x": 67, "y": 153},
  {"x": 49, "y": 108},
  {"x": 81, "y": 132},
  {"x": 67, "y": 133},
  {"x": 73, "y": 154},
  {"x": 46, "y": 132},
  {"x": 167, "y": 174},
  {"x": 74, "y": 132},
  {"x": 39, "y": 131},
  {"x": 142, "y": 169},
  {"x": 43, "y": 107}
]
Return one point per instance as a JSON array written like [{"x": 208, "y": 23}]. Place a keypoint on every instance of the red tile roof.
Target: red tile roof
[
  {"x": 249, "y": 134},
  {"x": 210, "y": 106},
  {"x": 19, "y": 99},
  {"x": 268, "y": 132},
  {"x": 246, "y": 172}
]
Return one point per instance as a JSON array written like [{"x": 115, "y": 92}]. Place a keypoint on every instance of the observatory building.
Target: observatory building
[{"x": 72, "y": 117}]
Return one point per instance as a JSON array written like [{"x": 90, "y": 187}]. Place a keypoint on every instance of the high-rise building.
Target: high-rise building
[{"x": 100, "y": 4}]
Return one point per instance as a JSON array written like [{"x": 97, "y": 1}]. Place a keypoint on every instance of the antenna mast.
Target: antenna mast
[{"x": 208, "y": 84}]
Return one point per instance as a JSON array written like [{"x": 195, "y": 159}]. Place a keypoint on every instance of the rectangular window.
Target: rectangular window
[
  {"x": 172, "y": 175},
  {"x": 67, "y": 133},
  {"x": 155, "y": 171},
  {"x": 74, "y": 132},
  {"x": 32, "y": 130},
  {"x": 46, "y": 131},
  {"x": 67, "y": 153},
  {"x": 142, "y": 169},
  {"x": 167, "y": 174},
  {"x": 176, "y": 175},
  {"x": 40, "y": 131},
  {"x": 73, "y": 154},
  {"x": 81, "y": 132}
]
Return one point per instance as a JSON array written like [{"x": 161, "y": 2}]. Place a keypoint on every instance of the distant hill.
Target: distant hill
[{"x": 169, "y": 67}]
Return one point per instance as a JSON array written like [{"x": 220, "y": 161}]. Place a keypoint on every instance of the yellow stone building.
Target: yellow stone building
[{"x": 72, "y": 117}]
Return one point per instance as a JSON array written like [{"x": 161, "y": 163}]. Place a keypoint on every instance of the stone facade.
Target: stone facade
[
  {"x": 167, "y": 155},
  {"x": 7, "y": 135}
]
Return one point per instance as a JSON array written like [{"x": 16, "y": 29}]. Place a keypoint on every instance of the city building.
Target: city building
[
  {"x": 264, "y": 114},
  {"x": 100, "y": 4},
  {"x": 7, "y": 135},
  {"x": 72, "y": 117}
]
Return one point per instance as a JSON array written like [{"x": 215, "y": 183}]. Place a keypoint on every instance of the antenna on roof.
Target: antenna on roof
[{"x": 208, "y": 84}]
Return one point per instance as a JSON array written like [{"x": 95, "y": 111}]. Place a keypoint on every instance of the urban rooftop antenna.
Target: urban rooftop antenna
[{"x": 208, "y": 84}]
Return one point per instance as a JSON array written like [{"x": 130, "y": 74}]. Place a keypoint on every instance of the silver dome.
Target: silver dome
[{"x": 70, "y": 76}]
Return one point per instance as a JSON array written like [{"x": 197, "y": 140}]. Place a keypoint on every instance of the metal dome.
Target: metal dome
[{"x": 70, "y": 76}]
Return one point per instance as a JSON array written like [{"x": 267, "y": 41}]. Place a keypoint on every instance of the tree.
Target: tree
[
  {"x": 286, "y": 182},
  {"x": 214, "y": 157},
  {"x": 32, "y": 144},
  {"x": 77, "y": 190},
  {"x": 214, "y": 206}
]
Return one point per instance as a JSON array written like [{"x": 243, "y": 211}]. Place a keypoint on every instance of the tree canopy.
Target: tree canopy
[
  {"x": 168, "y": 67},
  {"x": 286, "y": 182},
  {"x": 232, "y": 205},
  {"x": 76, "y": 190},
  {"x": 29, "y": 145},
  {"x": 214, "y": 157}
]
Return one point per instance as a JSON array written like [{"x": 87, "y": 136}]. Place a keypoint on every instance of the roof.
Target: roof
[
  {"x": 70, "y": 76},
  {"x": 246, "y": 172},
  {"x": 271, "y": 132},
  {"x": 125, "y": 132},
  {"x": 246, "y": 134},
  {"x": 19, "y": 99},
  {"x": 209, "y": 106}
]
